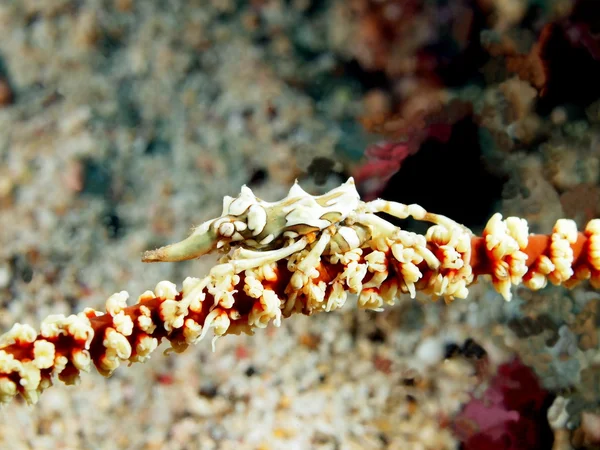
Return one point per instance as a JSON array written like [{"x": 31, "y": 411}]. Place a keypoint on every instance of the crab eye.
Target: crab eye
[
  {"x": 257, "y": 219},
  {"x": 226, "y": 229}
]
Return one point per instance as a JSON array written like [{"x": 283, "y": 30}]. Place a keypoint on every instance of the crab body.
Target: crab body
[{"x": 251, "y": 223}]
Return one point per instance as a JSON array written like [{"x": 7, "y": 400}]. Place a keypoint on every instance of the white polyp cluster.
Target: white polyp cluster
[
  {"x": 453, "y": 274},
  {"x": 377, "y": 266},
  {"x": 558, "y": 263},
  {"x": 505, "y": 242},
  {"x": 24, "y": 374},
  {"x": 117, "y": 348},
  {"x": 537, "y": 276},
  {"x": 144, "y": 321},
  {"x": 592, "y": 232},
  {"x": 268, "y": 306},
  {"x": 409, "y": 251},
  {"x": 564, "y": 234},
  {"x": 18, "y": 333},
  {"x": 354, "y": 270}
]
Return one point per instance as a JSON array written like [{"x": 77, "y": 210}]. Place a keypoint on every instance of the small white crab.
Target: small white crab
[{"x": 264, "y": 232}]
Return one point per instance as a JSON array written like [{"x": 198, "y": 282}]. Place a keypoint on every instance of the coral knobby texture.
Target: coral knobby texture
[{"x": 303, "y": 254}]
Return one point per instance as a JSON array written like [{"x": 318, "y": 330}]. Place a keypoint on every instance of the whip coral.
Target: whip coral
[{"x": 302, "y": 254}]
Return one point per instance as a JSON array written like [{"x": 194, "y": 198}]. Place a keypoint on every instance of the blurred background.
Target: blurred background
[{"x": 123, "y": 123}]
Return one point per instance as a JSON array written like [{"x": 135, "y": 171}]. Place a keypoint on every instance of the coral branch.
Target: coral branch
[{"x": 356, "y": 252}]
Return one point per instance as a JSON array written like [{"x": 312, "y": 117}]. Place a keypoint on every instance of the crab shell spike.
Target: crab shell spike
[
  {"x": 349, "y": 184},
  {"x": 296, "y": 190},
  {"x": 226, "y": 204},
  {"x": 347, "y": 188},
  {"x": 246, "y": 191},
  {"x": 242, "y": 202}
]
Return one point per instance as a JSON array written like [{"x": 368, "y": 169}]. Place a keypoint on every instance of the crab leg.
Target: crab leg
[
  {"x": 244, "y": 259},
  {"x": 402, "y": 211}
]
